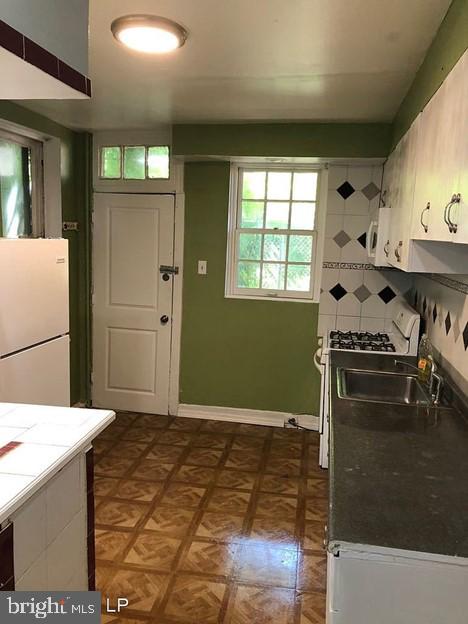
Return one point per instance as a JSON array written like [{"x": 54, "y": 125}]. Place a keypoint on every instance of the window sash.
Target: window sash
[
  {"x": 37, "y": 179},
  {"x": 234, "y": 231}
]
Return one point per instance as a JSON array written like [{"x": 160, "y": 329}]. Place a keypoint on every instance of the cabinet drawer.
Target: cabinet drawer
[{"x": 6, "y": 558}]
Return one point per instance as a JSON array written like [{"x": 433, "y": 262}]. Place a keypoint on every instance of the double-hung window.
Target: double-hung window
[
  {"x": 21, "y": 187},
  {"x": 273, "y": 239}
]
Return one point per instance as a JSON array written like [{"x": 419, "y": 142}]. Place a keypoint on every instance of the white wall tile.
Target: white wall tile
[
  {"x": 335, "y": 203},
  {"x": 331, "y": 252},
  {"x": 355, "y": 225},
  {"x": 337, "y": 174},
  {"x": 360, "y": 177},
  {"x": 333, "y": 225},
  {"x": 349, "y": 305},
  {"x": 348, "y": 323},
  {"x": 328, "y": 304},
  {"x": 372, "y": 324},
  {"x": 357, "y": 204},
  {"x": 325, "y": 323},
  {"x": 374, "y": 307},
  {"x": 353, "y": 252}
]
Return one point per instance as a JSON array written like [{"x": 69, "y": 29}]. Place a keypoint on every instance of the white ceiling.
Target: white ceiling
[{"x": 298, "y": 60}]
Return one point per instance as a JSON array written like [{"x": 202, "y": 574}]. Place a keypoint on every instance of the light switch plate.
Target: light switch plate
[{"x": 202, "y": 267}]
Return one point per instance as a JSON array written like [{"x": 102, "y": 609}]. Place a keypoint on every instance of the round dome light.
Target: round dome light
[{"x": 148, "y": 33}]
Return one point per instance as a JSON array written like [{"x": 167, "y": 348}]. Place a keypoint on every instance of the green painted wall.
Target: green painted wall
[
  {"x": 238, "y": 352},
  {"x": 343, "y": 140},
  {"x": 75, "y": 207},
  {"x": 448, "y": 46},
  {"x": 235, "y": 352}
]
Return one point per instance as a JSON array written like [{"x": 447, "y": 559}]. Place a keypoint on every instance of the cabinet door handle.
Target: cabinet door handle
[
  {"x": 398, "y": 251},
  {"x": 427, "y": 208},
  {"x": 446, "y": 210},
  {"x": 453, "y": 227},
  {"x": 387, "y": 248}
]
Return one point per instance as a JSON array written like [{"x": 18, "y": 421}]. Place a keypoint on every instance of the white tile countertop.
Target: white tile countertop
[{"x": 49, "y": 438}]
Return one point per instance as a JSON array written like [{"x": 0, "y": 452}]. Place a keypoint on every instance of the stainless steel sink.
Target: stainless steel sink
[{"x": 381, "y": 387}]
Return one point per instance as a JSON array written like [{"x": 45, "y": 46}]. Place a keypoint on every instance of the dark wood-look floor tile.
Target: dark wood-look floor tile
[
  {"x": 195, "y": 599},
  {"x": 225, "y": 527},
  {"x": 210, "y": 521},
  {"x": 151, "y": 550},
  {"x": 261, "y": 605},
  {"x": 174, "y": 522}
]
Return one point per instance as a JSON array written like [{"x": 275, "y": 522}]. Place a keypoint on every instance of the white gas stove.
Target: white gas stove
[{"x": 402, "y": 339}]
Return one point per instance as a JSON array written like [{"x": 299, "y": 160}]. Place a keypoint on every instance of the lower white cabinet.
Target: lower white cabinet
[
  {"x": 366, "y": 584},
  {"x": 50, "y": 534}
]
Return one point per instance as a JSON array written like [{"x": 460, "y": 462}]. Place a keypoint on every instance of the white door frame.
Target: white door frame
[
  {"x": 179, "y": 220},
  {"x": 174, "y": 370}
]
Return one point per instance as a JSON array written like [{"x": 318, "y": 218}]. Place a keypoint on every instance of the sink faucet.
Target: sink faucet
[{"x": 434, "y": 382}]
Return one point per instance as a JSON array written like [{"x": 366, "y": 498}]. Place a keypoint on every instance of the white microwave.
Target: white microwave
[{"x": 377, "y": 242}]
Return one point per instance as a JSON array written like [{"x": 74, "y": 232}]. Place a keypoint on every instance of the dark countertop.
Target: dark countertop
[{"x": 398, "y": 473}]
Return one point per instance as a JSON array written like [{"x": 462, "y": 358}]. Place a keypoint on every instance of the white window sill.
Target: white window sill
[{"x": 266, "y": 298}]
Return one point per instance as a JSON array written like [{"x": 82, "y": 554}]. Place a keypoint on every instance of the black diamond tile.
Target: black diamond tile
[
  {"x": 448, "y": 323},
  {"x": 416, "y": 299},
  {"x": 363, "y": 239},
  {"x": 387, "y": 294},
  {"x": 424, "y": 306},
  {"x": 345, "y": 190},
  {"x": 465, "y": 336},
  {"x": 434, "y": 313},
  {"x": 338, "y": 292}
]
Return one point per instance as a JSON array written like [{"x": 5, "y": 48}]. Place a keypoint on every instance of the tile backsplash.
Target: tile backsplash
[
  {"x": 355, "y": 296},
  {"x": 442, "y": 302}
]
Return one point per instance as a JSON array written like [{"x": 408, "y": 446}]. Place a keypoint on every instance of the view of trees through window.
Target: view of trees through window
[
  {"x": 15, "y": 190},
  {"x": 134, "y": 162},
  {"x": 275, "y": 229}
]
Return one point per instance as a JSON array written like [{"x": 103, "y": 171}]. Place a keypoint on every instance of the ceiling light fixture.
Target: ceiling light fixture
[{"x": 149, "y": 33}]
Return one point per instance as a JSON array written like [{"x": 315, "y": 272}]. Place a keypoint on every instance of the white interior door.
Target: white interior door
[{"x": 132, "y": 309}]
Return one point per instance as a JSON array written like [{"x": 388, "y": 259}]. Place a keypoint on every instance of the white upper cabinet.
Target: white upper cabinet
[
  {"x": 426, "y": 184},
  {"x": 441, "y": 154},
  {"x": 402, "y": 198}
]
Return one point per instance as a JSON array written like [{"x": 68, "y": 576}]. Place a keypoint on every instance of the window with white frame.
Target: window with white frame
[
  {"x": 273, "y": 232},
  {"x": 21, "y": 186}
]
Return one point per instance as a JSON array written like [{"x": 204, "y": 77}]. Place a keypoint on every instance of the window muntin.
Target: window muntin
[
  {"x": 21, "y": 195},
  {"x": 273, "y": 230},
  {"x": 134, "y": 162}
]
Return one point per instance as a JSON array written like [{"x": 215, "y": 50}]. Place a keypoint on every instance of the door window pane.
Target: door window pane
[
  {"x": 111, "y": 165},
  {"x": 134, "y": 163},
  {"x": 158, "y": 162},
  {"x": 15, "y": 190}
]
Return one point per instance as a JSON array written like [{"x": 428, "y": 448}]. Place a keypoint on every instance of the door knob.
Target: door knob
[{"x": 164, "y": 319}]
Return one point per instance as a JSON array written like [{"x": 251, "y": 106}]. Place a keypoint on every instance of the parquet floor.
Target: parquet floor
[{"x": 205, "y": 522}]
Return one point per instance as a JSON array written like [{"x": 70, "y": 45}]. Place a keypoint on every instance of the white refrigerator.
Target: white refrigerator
[{"x": 34, "y": 322}]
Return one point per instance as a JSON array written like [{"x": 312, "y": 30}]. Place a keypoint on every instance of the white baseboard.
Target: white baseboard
[{"x": 247, "y": 416}]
